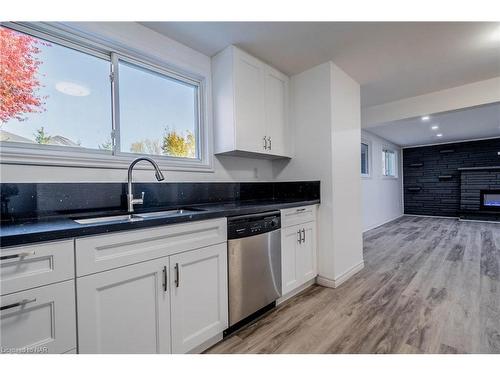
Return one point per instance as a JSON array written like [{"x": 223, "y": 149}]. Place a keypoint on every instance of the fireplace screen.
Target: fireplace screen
[{"x": 490, "y": 199}]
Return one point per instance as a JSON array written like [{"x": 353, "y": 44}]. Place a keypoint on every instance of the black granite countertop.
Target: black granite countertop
[{"x": 47, "y": 229}]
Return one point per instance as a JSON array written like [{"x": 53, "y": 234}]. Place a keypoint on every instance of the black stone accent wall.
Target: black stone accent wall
[{"x": 432, "y": 176}]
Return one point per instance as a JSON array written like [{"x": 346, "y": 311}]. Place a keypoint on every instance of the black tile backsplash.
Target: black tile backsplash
[{"x": 36, "y": 200}]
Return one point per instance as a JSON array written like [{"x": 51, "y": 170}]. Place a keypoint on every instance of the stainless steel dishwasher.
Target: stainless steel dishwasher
[{"x": 254, "y": 265}]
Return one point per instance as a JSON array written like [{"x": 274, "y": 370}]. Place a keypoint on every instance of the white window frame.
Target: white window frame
[
  {"x": 396, "y": 162},
  {"x": 369, "y": 154},
  {"x": 34, "y": 154}
]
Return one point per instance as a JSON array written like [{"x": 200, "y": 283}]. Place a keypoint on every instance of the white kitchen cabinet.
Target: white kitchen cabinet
[
  {"x": 34, "y": 265},
  {"x": 130, "y": 300},
  {"x": 112, "y": 250},
  {"x": 298, "y": 247},
  {"x": 276, "y": 112},
  {"x": 306, "y": 253},
  {"x": 125, "y": 310},
  {"x": 199, "y": 301},
  {"x": 39, "y": 320},
  {"x": 290, "y": 278},
  {"x": 250, "y": 106},
  {"x": 249, "y": 102}
]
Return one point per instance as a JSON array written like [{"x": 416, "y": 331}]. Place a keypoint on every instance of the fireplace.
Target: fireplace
[{"x": 490, "y": 200}]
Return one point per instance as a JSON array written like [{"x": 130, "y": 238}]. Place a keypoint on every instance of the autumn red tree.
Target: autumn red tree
[{"x": 18, "y": 80}]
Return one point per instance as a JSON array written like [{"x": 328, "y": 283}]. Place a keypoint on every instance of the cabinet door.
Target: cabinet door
[
  {"x": 249, "y": 102},
  {"x": 306, "y": 253},
  {"x": 276, "y": 110},
  {"x": 290, "y": 269},
  {"x": 39, "y": 320},
  {"x": 125, "y": 310},
  {"x": 199, "y": 296}
]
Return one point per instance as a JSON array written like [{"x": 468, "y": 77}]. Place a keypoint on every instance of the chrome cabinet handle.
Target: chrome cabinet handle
[
  {"x": 165, "y": 278},
  {"x": 303, "y": 235},
  {"x": 20, "y": 255},
  {"x": 177, "y": 275},
  {"x": 265, "y": 143},
  {"x": 270, "y": 144},
  {"x": 299, "y": 239},
  {"x": 20, "y": 303},
  {"x": 300, "y": 210}
]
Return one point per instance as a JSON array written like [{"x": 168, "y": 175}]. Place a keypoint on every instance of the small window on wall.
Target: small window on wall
[
  {"x": 389, "y": 163},
  {"x": 365, "y": 168}
]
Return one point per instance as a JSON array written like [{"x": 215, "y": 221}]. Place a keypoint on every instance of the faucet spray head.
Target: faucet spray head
[{"x": 159, "y": 175}]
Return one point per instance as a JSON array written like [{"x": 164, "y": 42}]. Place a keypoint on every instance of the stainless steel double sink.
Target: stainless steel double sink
[{"x": 138, "y": 217}]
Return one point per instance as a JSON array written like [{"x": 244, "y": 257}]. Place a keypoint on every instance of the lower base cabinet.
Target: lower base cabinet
[
  {"x": 171, "y": 304},
  {"x": 39, "y": 320},
  {"x": 298, "y": 255},
  {"x": 125, "y": 310},
  {"x": 199, "y": 301}
]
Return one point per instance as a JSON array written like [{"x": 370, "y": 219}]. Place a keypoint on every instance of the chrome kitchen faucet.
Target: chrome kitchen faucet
[{"x": 131, "y": 201}]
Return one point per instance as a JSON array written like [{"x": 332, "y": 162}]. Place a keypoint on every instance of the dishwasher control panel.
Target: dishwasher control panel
[{"x": 252, "y": 225}]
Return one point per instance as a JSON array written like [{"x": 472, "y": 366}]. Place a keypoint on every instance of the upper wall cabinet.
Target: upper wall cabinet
[{"x": 250, "y": 106}]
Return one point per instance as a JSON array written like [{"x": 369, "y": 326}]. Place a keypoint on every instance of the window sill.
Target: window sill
[
  {"x": 12, "y": 154},
  {"x": 390, "y": 177}
]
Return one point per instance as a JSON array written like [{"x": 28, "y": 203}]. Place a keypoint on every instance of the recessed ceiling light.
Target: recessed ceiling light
[
  {"x": 426, "y": 118},
  {"x": 434, "y": 127},
  {"x": 439, "y": 135},
  {"x": 72, "y": 88}
]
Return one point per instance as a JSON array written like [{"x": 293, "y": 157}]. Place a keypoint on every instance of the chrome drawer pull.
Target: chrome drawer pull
[
  {"x": 20, "y": 303},
  {"x": 165, "y": 278},
  {"x": 20, "y": 255},
  {"x": 177, "y": 280},
  {"x": 300, "y": 210}
]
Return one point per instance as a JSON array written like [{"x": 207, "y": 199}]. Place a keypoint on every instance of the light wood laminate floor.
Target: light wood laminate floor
[{"x": 429, "y": 285}]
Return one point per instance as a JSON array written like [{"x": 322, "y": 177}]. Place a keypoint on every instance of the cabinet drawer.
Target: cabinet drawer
[
  {"x": 24, "y": 267},
  {"x": 104, "y": 252},
  {"x": 297, "y": 215},
  {"x": 39, "y": 320}
]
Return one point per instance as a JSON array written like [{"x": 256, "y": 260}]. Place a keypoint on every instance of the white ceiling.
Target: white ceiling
[
  {"x": 469, "y": 123},
  {"x": 391, "y": 60}
]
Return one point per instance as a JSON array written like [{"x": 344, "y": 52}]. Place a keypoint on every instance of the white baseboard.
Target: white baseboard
[
  {"x": 207, "y": 344},
  {"x": 326, "y": 282},
  {"x": 384, "y": 222},
  {"x": 295, "y": 291},
  {"x": 329, "y": 283}
]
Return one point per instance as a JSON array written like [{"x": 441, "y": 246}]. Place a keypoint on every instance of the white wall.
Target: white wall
[
  {"x": 158, "y": 47},
  {"x": 326, "y": 119},
  {"x": 381, "y": 196},
  {"x": 346, "y": 132},
  {"x": 225, "y": 169},
  {"x": 311, "y": 119}
]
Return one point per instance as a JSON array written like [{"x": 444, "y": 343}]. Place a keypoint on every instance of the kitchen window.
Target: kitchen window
[
  {"x": 389, "y": 163},
  {"x": 365, "y": 159},
  {"x": 158, "y": 113},
  {"x": 67, "y": 102}
]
